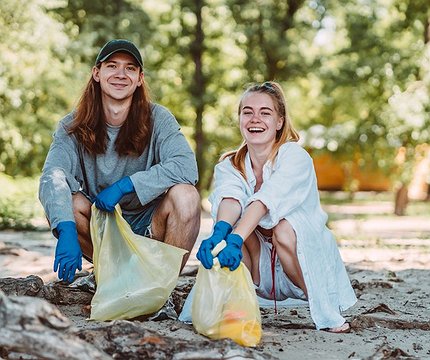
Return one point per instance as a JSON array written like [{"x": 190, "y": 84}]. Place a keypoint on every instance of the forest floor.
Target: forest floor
[{"x": 388, "y": 261}]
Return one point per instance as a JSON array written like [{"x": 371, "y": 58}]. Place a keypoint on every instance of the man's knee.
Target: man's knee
[
  {"x": 81, "y": 205},
  {"x": 185, "y": 200}
]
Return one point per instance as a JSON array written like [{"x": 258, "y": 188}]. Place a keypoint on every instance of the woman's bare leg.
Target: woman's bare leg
[
  {"x": 285, "y": 240},
  {"x": 251, "y": 257}
]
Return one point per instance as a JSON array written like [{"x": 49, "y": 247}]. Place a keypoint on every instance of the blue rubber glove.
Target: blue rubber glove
[
  {"x": 68, "y": 254},
  {"x": 109, "y": 197},
  {"x": 231, "y": 255},
  {"x": 221, "y": 230}
]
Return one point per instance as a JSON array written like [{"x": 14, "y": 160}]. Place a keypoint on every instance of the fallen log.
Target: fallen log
[
  {"x": 57, "y": 293},
  {"x": 361, "y": 322},
  {"x": 29, "y": 286},
  {"x": 77, "y": 293},
  {"x": 123, "y": 339},
  {"x": 33, "y": 327}
]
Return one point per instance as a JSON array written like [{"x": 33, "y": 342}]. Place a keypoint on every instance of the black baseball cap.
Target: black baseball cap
[{"x": 119, "y": 45}]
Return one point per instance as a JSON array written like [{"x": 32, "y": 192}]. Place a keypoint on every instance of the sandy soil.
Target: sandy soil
[{"x": 388, "y": 261}]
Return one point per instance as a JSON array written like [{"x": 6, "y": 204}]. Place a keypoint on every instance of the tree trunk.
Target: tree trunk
[
  {"x": 428, "y": 192},
  {"x": 38, "y": 330},
  {"x": 401, "y": 201},
  {"x": 198, "y": 89}
]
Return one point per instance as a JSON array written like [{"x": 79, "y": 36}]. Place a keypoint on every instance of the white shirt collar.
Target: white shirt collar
[{"x": 248, "y": 170}]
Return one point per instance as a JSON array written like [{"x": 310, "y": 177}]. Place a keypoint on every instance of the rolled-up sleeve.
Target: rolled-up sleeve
[
  {"x": 58, "y": 181},
  {"x": 174, "y": 160},
  {"x": 228, "y": 183}
]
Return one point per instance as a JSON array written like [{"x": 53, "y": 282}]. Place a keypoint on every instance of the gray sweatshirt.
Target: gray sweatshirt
[{"x": 166, "y": 161}]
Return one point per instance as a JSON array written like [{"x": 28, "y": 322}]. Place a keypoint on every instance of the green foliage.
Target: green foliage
[
  {"x": 371, "y": 52},
  {"x": 275, "y": 36},
  {"x": 90, "y": 24},
  {"x": 18, "y": 203},
  {"x": 356, "y": 74},
  {"x": 32, "y": 78},
  {"x": 193, "y": 68}
]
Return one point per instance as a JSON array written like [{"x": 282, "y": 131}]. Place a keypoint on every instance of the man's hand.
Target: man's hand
[
  {"x": 68, "y": 254},
  {"x": 109, "y": 197},
  {"x": 221, "y": 230},
  {"x": 231, "y": 255}
]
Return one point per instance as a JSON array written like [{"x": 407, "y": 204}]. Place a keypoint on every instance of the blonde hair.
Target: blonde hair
[{"x": 285, "y": 134}]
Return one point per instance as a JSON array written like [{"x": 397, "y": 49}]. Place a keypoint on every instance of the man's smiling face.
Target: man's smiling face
[{"x": 119, "y": 76}]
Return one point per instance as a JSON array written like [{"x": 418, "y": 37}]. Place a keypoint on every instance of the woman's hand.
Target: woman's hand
[
  {"x": 221, "y": 230},
  {"x": 231, "y": 255}
]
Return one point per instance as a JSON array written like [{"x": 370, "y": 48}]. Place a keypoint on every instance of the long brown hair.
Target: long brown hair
[
  {"x": 285, "y": 134},
  {"x": 89, "y": 124}
]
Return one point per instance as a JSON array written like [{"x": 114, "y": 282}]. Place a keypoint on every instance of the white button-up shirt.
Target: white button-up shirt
[{"x": 290, "y": 192}]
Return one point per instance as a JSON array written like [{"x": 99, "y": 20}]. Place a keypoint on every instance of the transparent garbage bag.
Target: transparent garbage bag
[
  {"x": 134, "y": 274},
  {"x": 225, "y": 304}
]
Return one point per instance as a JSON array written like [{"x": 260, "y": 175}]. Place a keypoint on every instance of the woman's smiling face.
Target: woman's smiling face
[{"x": 259, "y": 119}]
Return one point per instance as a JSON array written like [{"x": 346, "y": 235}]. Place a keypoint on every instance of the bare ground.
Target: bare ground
[{"x": 388, "y": 260}]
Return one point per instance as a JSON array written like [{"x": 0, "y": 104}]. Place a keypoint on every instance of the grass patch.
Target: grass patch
[
  {"x": 414, "y": 207},
  {"x": 362, "y": 197},
  {"x": 418, "y": 208},
  {"x": 19, "y": 204}
]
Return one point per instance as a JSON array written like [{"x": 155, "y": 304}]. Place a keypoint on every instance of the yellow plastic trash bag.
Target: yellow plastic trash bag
[
  {"x": 134, "y": 274},
  {"x": 225, "y": 304}
]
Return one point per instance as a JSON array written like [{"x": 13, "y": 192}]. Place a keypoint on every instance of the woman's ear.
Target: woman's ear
[
  {"x": 280, "y": 123},
  {"x": 96, "y": 72}
]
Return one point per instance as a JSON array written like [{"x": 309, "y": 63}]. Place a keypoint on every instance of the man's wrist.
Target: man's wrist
[
  {"x": 66, "y": 226},
  {"x": 126, "y": 185}
]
